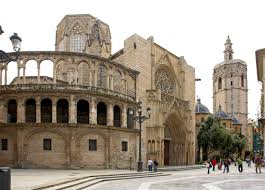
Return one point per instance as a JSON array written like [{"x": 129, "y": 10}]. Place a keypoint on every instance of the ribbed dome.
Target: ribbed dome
[
  {"x": 200, "y": 108},
  {"x": 235, "y": 120},
  {"x": 221, "y": 113}
]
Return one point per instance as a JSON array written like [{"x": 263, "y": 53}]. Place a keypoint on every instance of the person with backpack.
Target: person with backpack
[
  {"x": 208, "y": 165},
  {"x": 258, "y": 163}
]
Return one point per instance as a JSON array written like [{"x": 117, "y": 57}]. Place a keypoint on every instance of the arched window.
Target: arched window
[
  {"x": 131, "y": 86},
  {"x": 219, "y": 83},
  {"x": 117, "y": 116},
  {"x": 83, "y": 112},
  {"x": 83, "y": 73},
  {"x": 62, "y": 111},
  {"x": 102, "y": 76},
  {"x": 46, "y": 111},
  {"x": 130, "y": 118},
  {"x": 102, "y": 114},
  {"x": 30, "y": 111},
  {"x": 12, "y": 111},
  {"x": 117, "y": 83},
  {"x": 242, "y": 80},
  {"x": 77, "y": 39}
]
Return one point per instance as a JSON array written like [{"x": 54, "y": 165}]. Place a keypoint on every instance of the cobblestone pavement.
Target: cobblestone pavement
[{"x": 193, "y": 180}]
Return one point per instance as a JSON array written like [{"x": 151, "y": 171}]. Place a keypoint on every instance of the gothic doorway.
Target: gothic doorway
[{"x": 166, "y": 152}]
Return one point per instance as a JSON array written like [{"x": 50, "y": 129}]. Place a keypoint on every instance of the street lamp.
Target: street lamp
[
  {"x": 140, "y": 119},
  {"x": 16, "y": 43}
]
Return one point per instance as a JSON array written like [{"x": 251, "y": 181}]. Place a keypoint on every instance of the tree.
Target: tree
[{"x": 214, "y": 137}]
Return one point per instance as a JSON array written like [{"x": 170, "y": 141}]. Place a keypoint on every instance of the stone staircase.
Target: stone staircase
[
  {"x": 88, "y": 181},
  {"x": 180, "y": 168}
]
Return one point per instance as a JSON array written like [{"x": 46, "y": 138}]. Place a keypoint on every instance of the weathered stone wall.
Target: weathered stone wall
[{"x": 70, "y": 147}]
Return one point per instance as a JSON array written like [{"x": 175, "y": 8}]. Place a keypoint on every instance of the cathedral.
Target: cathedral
[
  {"x": 84, "y": 115},
  {"x": 230, "y": 87}
]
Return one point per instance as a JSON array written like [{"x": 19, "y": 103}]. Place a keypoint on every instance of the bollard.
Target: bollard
[{"x": 5, "y": 178}]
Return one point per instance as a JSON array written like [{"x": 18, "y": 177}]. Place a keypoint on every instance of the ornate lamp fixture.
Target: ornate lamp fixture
[{"x": 16, "y": 43}]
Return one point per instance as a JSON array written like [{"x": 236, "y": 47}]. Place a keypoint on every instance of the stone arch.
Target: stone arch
[
  {"x": 130, "y": 118},
  {"x": 82, "y": 111},
  {"x": 92, "y": 159},
  {"x": 102, "y": 113},
  {"x": 117, "y": 116},
  {"x": 46, "y": 68},
  {"x": 46, "y": 110},
  {"x": 102, "y": 74},
  {"x": 174, "y": 136},
  {"x": 31, "y": 67},
  {"x": 83, "y": 73},
  {"x": 153, "y": 146},
  {"x": 30, "y": 110},
  {"x": 12, "y": 111},
  {"x": 35, "y": 156},
  {"x": 62, "y": 108}
]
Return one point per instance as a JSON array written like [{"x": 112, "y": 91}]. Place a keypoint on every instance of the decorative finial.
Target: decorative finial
[{"x": 228, "y": 52}]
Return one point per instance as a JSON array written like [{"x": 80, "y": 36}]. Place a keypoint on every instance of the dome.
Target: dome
[
  {"x": 221, "y": 113},
  {"x": 200, "y": 108},
  {"x": 235, "y": 120}
]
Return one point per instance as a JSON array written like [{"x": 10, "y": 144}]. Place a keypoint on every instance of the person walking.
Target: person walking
[
  {"x": 214, "y": 162},
  {"x": 208, "y": 165},
  {"x": 155, "y": 165},
  {"x": 258, "y": 162},
  {"x": 226, "y": 165},
  {"x": 150, "y": 165},
  {"x": 240, "y": 165}
]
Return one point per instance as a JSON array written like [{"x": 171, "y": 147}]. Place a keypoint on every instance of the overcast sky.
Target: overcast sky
[{"x": 195, "y": 29}]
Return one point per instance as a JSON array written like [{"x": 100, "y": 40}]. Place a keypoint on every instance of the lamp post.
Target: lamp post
[
  {"x": 16, "y": 43},
  {"x": 140, "y": 119}
]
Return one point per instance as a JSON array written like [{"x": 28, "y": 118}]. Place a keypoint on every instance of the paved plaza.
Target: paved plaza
[{"x": 196, "y": 179}]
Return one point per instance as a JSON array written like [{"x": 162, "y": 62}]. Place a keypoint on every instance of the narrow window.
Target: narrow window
[
  {"x": 124, "y": 146},
  {"x": 231, "y": 83},
  {"x": 242, "y": 81},
  {"x": 219, "y": 83},
  {"x": 47, "y": 144},
  {"x": 92, "y": 145},
  {"x": 202, "y": 119},
  {"x": 4, "y": 144},
  {"x": 134, "y": 45}
]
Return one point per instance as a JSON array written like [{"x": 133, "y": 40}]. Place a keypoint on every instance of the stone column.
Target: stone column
[
  {"x": 111, "y": 82},
  {"x": 54, "y": 111},
  {"x": 124, "y": 116},
  {"x": 107, "y": 81},
  {"x": 1, "y": 76},
  {"x": 38, "y": 66},
  {"x": 110, "y": 114},
  {"x": 38, "y": 110},
  {"x": 18, "y": 75},
  {"x": 5, "y": 76},
  {"x": 20, "y": 111},
  {"x": 3, "y": 111},
  {"x": 96, "y": 78},
  {"x": 54, "y": 73},
  {"x": 24, "y": 75},
  {"x": 93, "y": 112},
  {"x": 90, "y": 78},
  {"x": 72, "y": 110}
]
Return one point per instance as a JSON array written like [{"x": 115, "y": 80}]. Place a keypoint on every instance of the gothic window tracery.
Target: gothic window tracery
[
  {"x": 83, "y": 73},
  {"x": 102, "y": 76},
  {"x": 164, "y": 82},
  {"x": 77, "y": 39},
  {"x": 117, "y": 84}
]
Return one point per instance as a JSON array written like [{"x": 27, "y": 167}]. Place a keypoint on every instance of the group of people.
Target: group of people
[
  {"x": 238, "y": 162},
  {"x": 152, "y": 164}
]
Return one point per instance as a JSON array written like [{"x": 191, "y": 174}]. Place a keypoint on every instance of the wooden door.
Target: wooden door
[{"x": 166, "y": 152}]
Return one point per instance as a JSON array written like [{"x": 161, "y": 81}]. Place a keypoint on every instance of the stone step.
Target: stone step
[
  {"x": 93, "y": 179},
  {"x": 181, "y": 168},
  {"x": 96, "y": 181}
]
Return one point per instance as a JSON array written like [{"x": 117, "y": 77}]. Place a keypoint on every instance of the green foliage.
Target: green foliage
[{"x": 214, "y": 137}]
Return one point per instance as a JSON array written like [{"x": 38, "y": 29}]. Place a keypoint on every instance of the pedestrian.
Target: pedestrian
[
  {"x": 208, "y": 165},
  {"x": 150, "y": 165},
  {"x": 226, "y": 165},
  {"x": 214, "y": 162},
  {"x": 258, "y": 162},
  {"x": 155, "y": 165},
  {"x": 240, "y": 165},
  {"x": 248, "y": 160}
]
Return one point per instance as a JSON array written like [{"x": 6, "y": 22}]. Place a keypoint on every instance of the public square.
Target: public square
[{"x": 184, "y": 180}]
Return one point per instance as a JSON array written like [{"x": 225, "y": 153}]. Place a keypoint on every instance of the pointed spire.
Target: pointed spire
[{"x": 228, "y": 52}]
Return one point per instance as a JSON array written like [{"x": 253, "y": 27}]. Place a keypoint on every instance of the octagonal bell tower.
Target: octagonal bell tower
[{"x": 230, "y": 90}]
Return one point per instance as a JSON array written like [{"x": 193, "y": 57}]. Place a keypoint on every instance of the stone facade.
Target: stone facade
[
  {"x": 81, "y": 116},
  {"x": 230, "y": 87}
]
